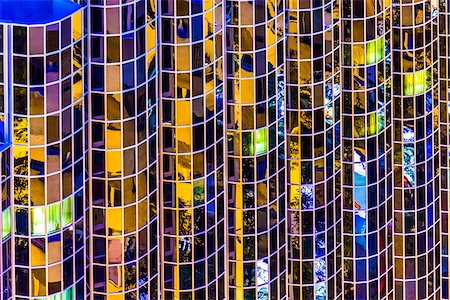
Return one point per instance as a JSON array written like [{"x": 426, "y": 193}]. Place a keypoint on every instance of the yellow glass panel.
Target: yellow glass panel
[
  {"x": 360, "y": 126},
  {"x": 113, "y": 81},
  {"x": 247, "y": 93},
  {"x": 358, "y": 55},
  {"x": 54, "y": 252},
  {"x": 184, "y": 194},
  {"x": 184, "y": 163},
  {"x": 207, "y": 4},
  {"x": 114, "y": 218},
  {"x": 113, "y": 107},
  {"x": 208, "y": 24},
  {"x": 270, "y": 34},
  {"x": 262, "y": 193},
  {"x": 113, "y": 136},
  {"x": 37, "y": 254},
  {"x": 37, "y": 191},
  {"x": 115, "y": 282},
  {"x": 20, "y": 130},
  {"x": 305, "y": 71},
  {"x": 294, "y": 173},
  {"x": 77, "y": 25},
  {"x": 183, "y": 112},
  {"x": 183, "y": 137},
  {"x": 21, "y": 190},
  {"x": 183, "y": 58},
  {"x": 210, "y": 80},
  {"x": 114, "y": 163},
  {"x": 142, "y": 213},
  {"x": 37, "y": 131},
  {"x": 77, "y": 88},
  {"x": 130, "y": 218},
  {"x": 20, "y": 160},
  {"x": 38, "y": 282},
  {"x": 295, "y": 197}
]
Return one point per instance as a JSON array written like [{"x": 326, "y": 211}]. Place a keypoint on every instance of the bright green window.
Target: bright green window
[
  {"x": 261, "y": 140},
  {"x": 414, "y": 83},
  {"x": 55, "y": 297},
  {"x": 6, "y": 222},
  {"x": 38, "y": 220},
  {"x": 67, "y": 211},
  {"x": 54, "y": 217},
  {"x": 68, "y": 294},
  {"x": 375, "y": 50}
]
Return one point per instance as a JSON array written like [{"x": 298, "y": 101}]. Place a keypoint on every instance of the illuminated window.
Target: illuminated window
[
  {"x": 38, "y": 220},
  {"x": 414, "y": 83},
  {"x": 67, "y": 211},
  {"x": 6, "y": 223},
  {"x": 54, "y": 218},
  {"x": 375, "y": 50},
  {"x": 261, "y": 140},
  {"x": 254, "y": 142}
]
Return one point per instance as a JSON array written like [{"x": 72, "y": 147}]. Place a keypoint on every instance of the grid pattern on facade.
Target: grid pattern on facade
[
  {"x": 314, "y": 150},
  {"x": 47, "y": 156},
  {"x": 367, "y": 150},
  {"x": 443, "y": 56},
  {"x": 123, "y": 149},
  {"x": 255, "y": 135},
  {"x": 416, "y": 150},
  {"x": 192, "y": 145}
]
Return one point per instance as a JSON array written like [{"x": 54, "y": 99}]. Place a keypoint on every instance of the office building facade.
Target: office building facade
[{"x": 211, "y": 149}]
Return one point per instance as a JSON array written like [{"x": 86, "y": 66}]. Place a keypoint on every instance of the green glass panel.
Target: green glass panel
[
  {"x": 247, "y": 143},
  {"x": 67, "y": 211},
  {"x": 261, "y": 140},
  {"x": 38, "y": 220},
  {"x": 375, "y": 50},
  {"x": 371, "y": 52},
  {"x": 6, "y": 223},
  {"x": 414, "y": 83},
  {"x": 380, "y": 48},
  {"x": 54, "y": 217},
  {"x": 372, "y": 126},
  {"x": 68, "y": 294},
  {"x": 55, "y": 297}
]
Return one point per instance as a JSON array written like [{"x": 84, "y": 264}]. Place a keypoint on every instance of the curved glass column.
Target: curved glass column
[
  {"x": 367, "y": 150},
  {"x": 5, "y": 223},
  {"x": 45, "y": 70},
  {"x": 416, "y": 150},
  {"x": 257, "y": 247},
  {"x": 314, "y": 148},
  {"x": 192, "y": 145},
  {"x": 5, "y": 173},
  {"x": 123, "y": 150},
  {"x": 444, "y": 122}
]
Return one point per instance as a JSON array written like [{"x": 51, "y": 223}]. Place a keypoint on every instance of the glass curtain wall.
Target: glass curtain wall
[
  {"x": 444, "y": 110},
  {"x": 314, "y": 149},
  {"x": 5, "y": 224},
  {"x": 255, "y": 38},
  {"x": 192, "y": 150},
  {"x": 367, "y": 150},
  {"x": 5, "y": 173},
  {"x": 416, "y": 149},
  {"x": 124, "y": 256},
  {"x": 46, "y": 72}
]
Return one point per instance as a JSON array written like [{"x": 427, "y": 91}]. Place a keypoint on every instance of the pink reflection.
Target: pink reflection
[{"x": 52, "y": 98}]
